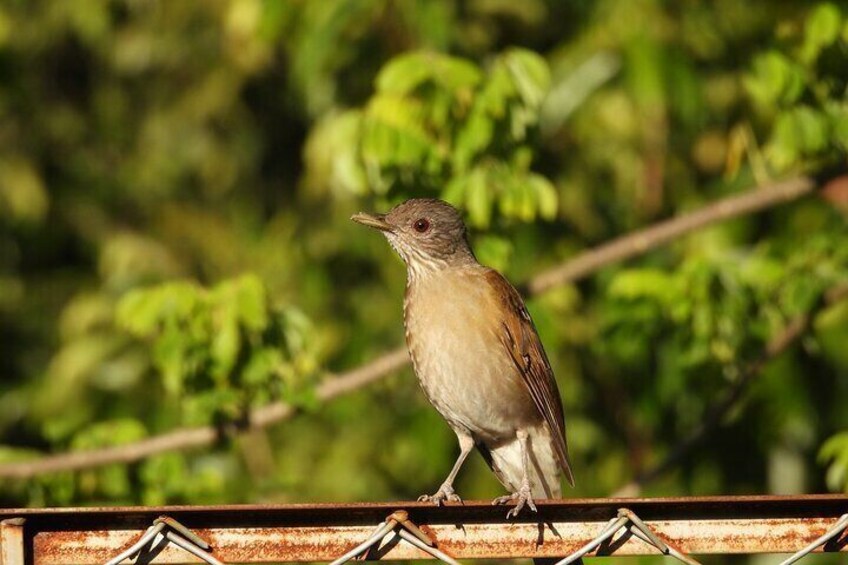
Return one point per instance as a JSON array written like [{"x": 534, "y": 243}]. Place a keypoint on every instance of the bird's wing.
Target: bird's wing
[{"x": 521, "y": 340}]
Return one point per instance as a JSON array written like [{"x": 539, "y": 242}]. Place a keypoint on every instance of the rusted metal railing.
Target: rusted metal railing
[{"x": 563, "y": 529}]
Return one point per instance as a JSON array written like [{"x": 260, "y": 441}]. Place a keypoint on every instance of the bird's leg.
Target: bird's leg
[
  {"x": 446, "y": 492},
  {"x": 523, "y": 495}
]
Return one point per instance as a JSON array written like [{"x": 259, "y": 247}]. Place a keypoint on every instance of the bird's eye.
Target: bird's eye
[{"x": 421, "y": 225}]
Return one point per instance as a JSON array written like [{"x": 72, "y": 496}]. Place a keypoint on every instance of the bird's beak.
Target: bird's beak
[{"x": 377, "y": 221}]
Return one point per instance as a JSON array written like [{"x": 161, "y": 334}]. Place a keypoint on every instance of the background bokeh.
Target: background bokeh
[{"x": 175, "y": 185}]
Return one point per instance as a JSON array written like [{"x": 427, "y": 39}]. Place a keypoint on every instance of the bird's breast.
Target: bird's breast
[{"x": 454, "y": 335}]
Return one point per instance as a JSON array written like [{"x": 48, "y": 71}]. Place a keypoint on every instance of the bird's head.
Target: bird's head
[{"x": 427, "y": 233}]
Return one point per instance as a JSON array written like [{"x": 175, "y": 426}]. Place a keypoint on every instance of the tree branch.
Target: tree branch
[
  {"x": 644, "y": 240},
  {"x": 717, "y": 413},
  {"x": 186, "y": 438},
  {"x": 627, "y": 246}
]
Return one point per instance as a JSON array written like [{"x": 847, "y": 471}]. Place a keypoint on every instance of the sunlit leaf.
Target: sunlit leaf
[
  {"x": 821, "y": 29},
  {"x": 546, "y": 196},
  {"x": 775, "y": 79},
  {"x": 478, "y": 198}
]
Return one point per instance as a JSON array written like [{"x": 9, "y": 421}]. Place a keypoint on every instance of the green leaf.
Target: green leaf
[
  {"x": 261, "y": 367},
  {"x": 170, "y": 357},
  {"x": 208, "y": 406},
  {"x": 546, "y": 196},
  {"x": 835, "y": 452},
  {"x": 530, "y": 74},
  {"x": 478, "y": 198},
  {"x": 642, "y": 283},
  {"x": 138, "y": 312},
  {"x": 164, "y": 477},
  {"x": 509, "y": 195},
  {"x": 497, "y": 90},
  {"x": 837, "y": 117},
  {"x": 250, "y": 302},
  {"x": 404, "y": 73},
  {"x": 108, "y": 433},
  {"x": 473, "y": 138},
  {"x": 812, "y": 128},
  {"x": 332, "y": 155},
  {"x": 453, "y": 74},
  {"x": 646, "y": 82},
  {"x": 455, "y": 190},
  {"x": 142, "y": 311},
  {"x": 798, "y": 132},
  {"x": 297, "y": 331},
  {"x": 526, "y": 198},
  {"x": 394, "y": 136},
  {"x": 225, "y": 347},
  {"x": 775, "y": 80},
  {"x": 494, "y": 251},
  {"x": 23, "y": 195},
  {"x": 821, "y": 30}
]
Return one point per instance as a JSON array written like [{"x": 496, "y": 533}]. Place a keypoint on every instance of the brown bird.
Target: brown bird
[{"x": 477, "y": 355}]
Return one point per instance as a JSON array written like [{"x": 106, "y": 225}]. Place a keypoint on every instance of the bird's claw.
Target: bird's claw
[
  {"x": 522, "y": 496},
  {"x": 445, "y": 493}
]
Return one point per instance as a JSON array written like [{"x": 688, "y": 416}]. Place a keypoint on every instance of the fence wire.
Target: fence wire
[
  {"x": 627, "y": 519},
  {"x": 399, "y": 522},
  {"x": 145, "y": 539},
  {"x": 168, "y": 529},
  {"x": 833, "y": 533}
]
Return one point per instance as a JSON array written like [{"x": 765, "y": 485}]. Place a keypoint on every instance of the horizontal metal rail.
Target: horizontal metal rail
[{"x": 324, "y": 532}]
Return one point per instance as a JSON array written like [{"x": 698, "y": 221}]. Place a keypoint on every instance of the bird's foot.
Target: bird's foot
[
  {"x": 522, "y": 496},
  {"x": 445, "y": 493}
]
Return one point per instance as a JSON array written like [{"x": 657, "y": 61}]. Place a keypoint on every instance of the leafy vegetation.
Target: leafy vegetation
[{"x": 175, "y": 183}]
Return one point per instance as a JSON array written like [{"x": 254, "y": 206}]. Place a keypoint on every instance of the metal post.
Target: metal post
[{"x": 12, "y": 541}]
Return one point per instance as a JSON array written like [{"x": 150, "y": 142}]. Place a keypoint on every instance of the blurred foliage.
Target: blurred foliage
[
  {"x": 221, "y": 352},
  {"x": 175, "y": 183},
  {"x": 438, "y": 122},
  {"x": 801, "y": 89}
]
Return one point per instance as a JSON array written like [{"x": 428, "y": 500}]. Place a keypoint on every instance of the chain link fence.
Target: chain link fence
[{"x": 260, "y": 534}]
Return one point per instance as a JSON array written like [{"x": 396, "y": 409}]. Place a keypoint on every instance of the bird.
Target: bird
[{"x": 477, "y": 355}]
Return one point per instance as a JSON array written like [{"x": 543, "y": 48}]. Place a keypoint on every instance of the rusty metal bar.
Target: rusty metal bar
[
  {"x": 12, "y": 541},
  {"x": 323, "y": 532}
]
